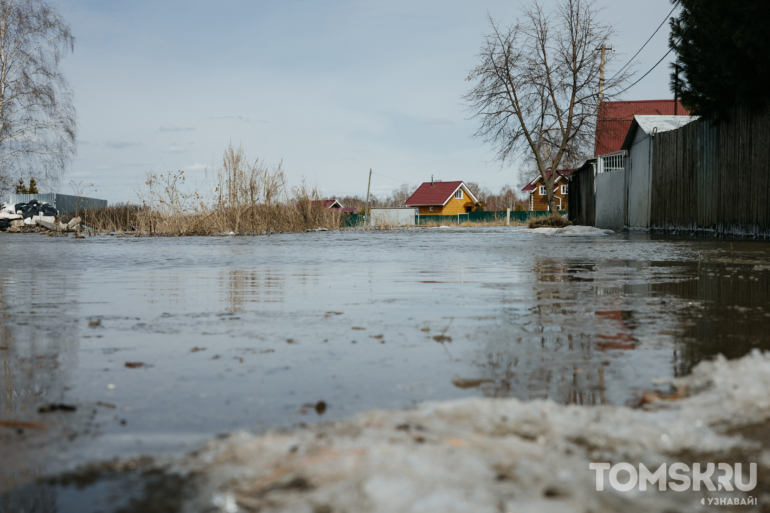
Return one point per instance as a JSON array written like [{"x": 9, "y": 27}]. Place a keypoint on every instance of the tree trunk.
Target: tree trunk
[{"x": 552, "y": 206}]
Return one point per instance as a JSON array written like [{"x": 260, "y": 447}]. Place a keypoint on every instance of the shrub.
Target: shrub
[{"x": 552, "y": 221}]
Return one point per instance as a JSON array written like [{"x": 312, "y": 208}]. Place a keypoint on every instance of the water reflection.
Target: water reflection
[
  {"x": 39, "y": 352},
  {"x": 38, "y": 339},
  {"x": 584, "y": 311},
  {"x": 242, "y": 286},
  {"x": 722, "y": 309},
  {"x": 242, "y": 333}
]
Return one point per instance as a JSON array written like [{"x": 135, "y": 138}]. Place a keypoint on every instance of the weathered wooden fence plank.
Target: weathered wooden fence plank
[{"x": 709, "y": 178}]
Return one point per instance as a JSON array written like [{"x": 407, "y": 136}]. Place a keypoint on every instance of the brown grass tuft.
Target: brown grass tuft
[{"x": 552, "y": 221}]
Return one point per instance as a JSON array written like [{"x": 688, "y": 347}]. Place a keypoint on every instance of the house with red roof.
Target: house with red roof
[
  {"x": 538, "y": 198},
  {"x": 442, "y": 199},
  {"x": 615, "y": 118},
  {"x": 331, "y": 204}
]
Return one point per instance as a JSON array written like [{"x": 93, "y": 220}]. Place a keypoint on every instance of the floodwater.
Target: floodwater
[{"x": 227, "y": 333}]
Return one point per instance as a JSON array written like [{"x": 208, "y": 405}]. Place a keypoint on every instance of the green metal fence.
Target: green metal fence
[
  {"x": 350, "y": 220},
  {"x": 483, "y": 217}
]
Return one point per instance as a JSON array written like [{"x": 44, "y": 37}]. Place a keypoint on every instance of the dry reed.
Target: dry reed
[
  {"x": 247, "y": 198},
  {"x": 552, "y": 221}
]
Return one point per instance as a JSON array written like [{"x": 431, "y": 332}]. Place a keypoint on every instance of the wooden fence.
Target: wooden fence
[
  {"x": 713, "y": 179},
  {"x": 581, "y": 196}
]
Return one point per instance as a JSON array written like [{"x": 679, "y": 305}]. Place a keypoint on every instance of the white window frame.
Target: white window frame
[
  {"x": 564, "y": 189},
  {"x": 459, "y": 194},
  {"x": 541, "y": 190},
  {"x": 430, "y": 209}
]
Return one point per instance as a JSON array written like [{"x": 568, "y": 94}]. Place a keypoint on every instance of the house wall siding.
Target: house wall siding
[
  {"x": 638, "y": 185},
  {"x": 540, "y": 203},
  {"x": 453, "y": 207},
  {"x": 610, "y": 199}
]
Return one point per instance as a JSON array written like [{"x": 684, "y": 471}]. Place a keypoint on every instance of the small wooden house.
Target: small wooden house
[
  {"x": 442, "y": 199},
  {"x": 331, "y": 204},
  {"x": 538, "y": 199}
]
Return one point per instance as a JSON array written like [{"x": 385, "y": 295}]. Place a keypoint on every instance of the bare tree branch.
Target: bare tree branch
[
  {"x": 536, "y": 88},
  {"x": 37, "y": 119}
]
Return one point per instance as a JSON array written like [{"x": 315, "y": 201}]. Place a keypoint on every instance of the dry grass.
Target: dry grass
[
  {"x": 247, "y": 198},
  {"x": 120, "y": 217},
  {"x": 552, "y": 221}
]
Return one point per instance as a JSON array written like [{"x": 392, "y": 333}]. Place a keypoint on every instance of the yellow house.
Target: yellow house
[{"x": 442, "y": 199}]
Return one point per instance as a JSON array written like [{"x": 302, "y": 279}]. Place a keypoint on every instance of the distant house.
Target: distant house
[
  {"x": 332, "y": 204},
  {"x": 538, "y": 199},
  {"x": 442, "y": 199},
  {"x": 614, "y": 120}
]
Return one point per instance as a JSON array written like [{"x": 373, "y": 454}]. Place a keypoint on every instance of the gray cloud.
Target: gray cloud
[
  {"x": 120, "y": 145},
  {"x": 175, "y": 148},
  {"x": 239, "y": 118},
  {"x": 174, "y": 128}
]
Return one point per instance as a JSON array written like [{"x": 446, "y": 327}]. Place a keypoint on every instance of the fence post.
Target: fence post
[{"x": 508, "y": 216}]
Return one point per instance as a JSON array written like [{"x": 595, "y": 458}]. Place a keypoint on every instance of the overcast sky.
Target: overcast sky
[{"x": 330, "y": 88}]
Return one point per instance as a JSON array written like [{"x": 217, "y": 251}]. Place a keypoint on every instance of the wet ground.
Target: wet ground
[{"x": 161, "y": 344}]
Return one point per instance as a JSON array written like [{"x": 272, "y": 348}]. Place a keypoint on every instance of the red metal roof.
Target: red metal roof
[
  {"x": 437, "y": 194},
  {"x": 615, "y": 118},
  {"x": 324, "y": 203},
  {"x": 531, "y": 186}
]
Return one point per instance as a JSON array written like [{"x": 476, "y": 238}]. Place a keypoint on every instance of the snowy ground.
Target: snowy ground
[
  {"x": 484, "y": 455},
  {"x": 572, "y": 231}
]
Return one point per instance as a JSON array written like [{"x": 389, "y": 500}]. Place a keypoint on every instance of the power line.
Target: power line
[
  {"x": 645, "y": 44},
  {"x": 648, "y": 72},
  {"x": 389, "y": 178}
]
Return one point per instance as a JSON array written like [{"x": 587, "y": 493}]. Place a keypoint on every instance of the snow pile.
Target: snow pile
[
  {"x": 572, "y": 231},
  {"x": 486, "y": 455}
]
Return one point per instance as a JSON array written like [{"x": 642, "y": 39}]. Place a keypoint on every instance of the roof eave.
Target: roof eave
[
  {"x": 462, "y": 184},
  {"x": 629, "y": 140}
]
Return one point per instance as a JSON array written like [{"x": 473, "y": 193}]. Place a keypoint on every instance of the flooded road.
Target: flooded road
[{"x": 164, "y": 343}]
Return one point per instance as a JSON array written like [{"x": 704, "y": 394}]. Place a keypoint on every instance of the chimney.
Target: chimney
[{"x": 431, "y": 181}]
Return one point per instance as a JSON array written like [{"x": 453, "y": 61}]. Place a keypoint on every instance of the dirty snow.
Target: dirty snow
[
  {"x": 485, "y": 455},
  {"x": 572, "y": 231}
]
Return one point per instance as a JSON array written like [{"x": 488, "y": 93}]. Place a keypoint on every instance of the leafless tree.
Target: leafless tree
[
  {"x": 399, "y": 196},
  {"x": 37, "y": 118},
  {"x": 536, "y": 89}
]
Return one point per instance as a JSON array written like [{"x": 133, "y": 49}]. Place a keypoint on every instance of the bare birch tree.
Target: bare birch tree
[
  {"x": 37, "y": 118},
  {"x": 536, "y": 89}
]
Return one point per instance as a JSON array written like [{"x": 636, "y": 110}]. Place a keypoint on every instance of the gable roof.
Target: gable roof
[
  {"x": 649, "y": 124},
  {"x": 328, "y": 203},
  {"x": 531, "y": 186},
  {"x": 438, "y": 193},
  {"x": 614, "y": 120}
]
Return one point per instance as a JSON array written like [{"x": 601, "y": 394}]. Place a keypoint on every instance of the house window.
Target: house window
[
  {"x": 430, "y": 209},
  {"x": 564, "y": 189},
  {"x": 459, "y": 194},
  {"x": 542, "y": 190}
]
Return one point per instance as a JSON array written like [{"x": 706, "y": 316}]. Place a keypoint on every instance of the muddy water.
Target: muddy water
[{"x": 252, "y": 333}]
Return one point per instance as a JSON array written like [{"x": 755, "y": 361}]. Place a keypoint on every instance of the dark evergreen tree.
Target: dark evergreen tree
[{"x": 723, "y": 55}]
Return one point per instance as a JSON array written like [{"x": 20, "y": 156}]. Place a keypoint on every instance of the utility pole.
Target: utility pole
[
  {"x": 601, "y": 74},
  {"x": 366, "y": 210}
]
